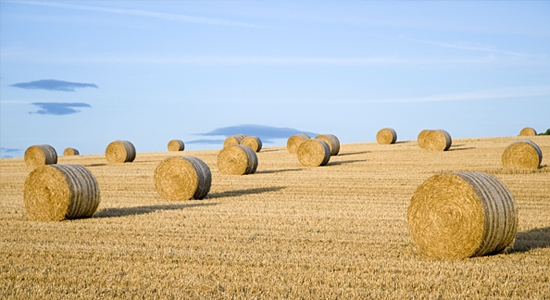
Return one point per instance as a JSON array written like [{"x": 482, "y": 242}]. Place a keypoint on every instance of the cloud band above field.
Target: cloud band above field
[
  {"x": 265, "y": 133},
  {"x": 55, "y": 108},
  {"x": 53, "y": 85}
]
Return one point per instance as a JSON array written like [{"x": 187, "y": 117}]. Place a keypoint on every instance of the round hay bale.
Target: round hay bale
[
  {"x": 332, "y": 141},
  {"x": 39, "y": 155},
  {"x": 237, "y": 160},
  {"x": 57, "y": 192},
  {"x": 176, "y": 145},
  {"x": 437, "y": 140},
  {"x": 422, "y": 137},
  {"x": 386, "y": 136},
  {"x": 70, "y": 152},
  {"x": 294, "y": 142},
  {"x": 182, "y": 178},
  {"x": 242, "y": 136},
  {"x": 313, "y": 153},
  {"x": 527, "y": 131},
  {"x": 253, "y": 142},
  {"x": 233, "y": 140},
  {"x": 120, "y": 152},
  {"x": 459, "y": 215},
  {"x": 522, "y": 154}
]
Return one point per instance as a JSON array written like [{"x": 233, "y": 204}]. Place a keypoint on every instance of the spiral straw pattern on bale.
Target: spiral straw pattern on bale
[
  {"x": 39, "y": 155},
  {"x": 253, "y": 142},
  {"x": 386, "y": 136},
  {"x": 237, "y": 160},
  {"x": 182, "y": 178},
  {"x": 421, "y": 139},
  {"x": 120, "y": 152},
  {"x": 522, "y": 154},
  {"x": 527, "y": 131},
  {"x": 176, "y": 145},
  {"x": 313, "y": 153},
  {"x": 233, "y": 140},
  {"x": 460, "y": 215},
  {"x": 70, "y": 152},
  {"x": 57, "y": 192},
  {"x": 437, "y": 140},
  {"x": 332, "y": 141},
  {"x": 294, "y": 142}
]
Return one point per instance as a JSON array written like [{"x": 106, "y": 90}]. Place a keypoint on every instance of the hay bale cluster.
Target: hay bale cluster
[
  {"x": 460, "y": 215},
  {"x": 527, "y": 131},
  {"x": 237, "y": 160},
  {"x": 58, "y": 192},
  {"x": 332, "y": 141},
  {"x": 182, "y": 178},
  {"x": 39, "y": 155},
  {"x": 70, "y": 152},
  {"x": 294, "y": 142},
  {"x": 386, "y": 136},
  {"x": 253, "y": 142},
  {"x": 522, "y": 154},
  {"x": 313, "y": 153},
  {"x": 434, "y": 140},
  {"x": 120, "y": 152},
  {"x": 176, "y": 145}
]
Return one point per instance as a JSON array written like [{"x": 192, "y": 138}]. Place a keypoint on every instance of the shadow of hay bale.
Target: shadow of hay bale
[
  {"x": 277, "y": 171},
  {"x": 533, "y": 239},
  {"x": 237, "y": 193},
  {"x": 343, "y": 162},
  {"x": 141, "y": 210}
]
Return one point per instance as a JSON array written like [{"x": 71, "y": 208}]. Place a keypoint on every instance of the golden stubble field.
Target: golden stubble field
[{"x": 287, "y": 231}]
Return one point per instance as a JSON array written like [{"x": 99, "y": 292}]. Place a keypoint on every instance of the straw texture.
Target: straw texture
[
  {"x": 176, "y": 145},
  {"x": 527, "y": 131},
  {"x": 70, "y": 152},
  {"x": 522, "y": 154},
  {"x": 237, "y": 160},
  {"x": 386, "y": 136},
  {"x": 332, "y": 141},
  {"x": 120, "y": 152},
  {"x": 57, "y": 192},
  {"x": 40, "y": 155},
  {"x": 313, "y": 153},
  {"x": 422, "y": 137},
  {"x": 294, "y": 142},
  {"x": 460, "y": 215},
  {"x": 182, "y": 178},
  {"x": 233, "y": 140},
  {"x": 253, "y": 142},
  {"x": 437, "y": 140}
]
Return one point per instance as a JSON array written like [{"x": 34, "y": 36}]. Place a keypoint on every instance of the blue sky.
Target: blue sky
[{"x": 82, "y": 74}]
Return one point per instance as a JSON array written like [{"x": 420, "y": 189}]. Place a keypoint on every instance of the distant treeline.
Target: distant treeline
[{"x": 545, "y": 133}]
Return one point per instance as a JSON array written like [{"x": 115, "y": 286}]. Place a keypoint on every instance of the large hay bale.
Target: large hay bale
[
  {"x": 527, "y": 131},
  {"x": 459, "y": 215},
  {"x": 237, "y": 160},
  {"x": 294, "y": 142},
  {"x": 39, "y": 155},
  {"x": 253, "y": 142},
  {"x": 332, "y": 141},
  {"x": 57, "y": 192},
  {"x": 421, "y": 139},
  {"x": 176, "y": 145},
  {"x": 182, "y": 178},
  {"x": 522, "y": 154},
  {"x": 386, "y": 136},
  {"x": 70, "y": 152},
  {"x": 437, "y": 140},
  {"x": 233, "y": 140},
  {"x": 313, "y": 153},
  {"x": 120, "y": 152}
]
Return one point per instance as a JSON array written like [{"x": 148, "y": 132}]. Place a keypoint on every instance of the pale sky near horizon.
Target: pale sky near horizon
[{"x": 82, "y": 74}]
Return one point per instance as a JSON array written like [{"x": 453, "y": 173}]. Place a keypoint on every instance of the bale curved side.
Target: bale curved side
[
  {"x": 313, "y": 153},
  {"x": 386, "y": 136},
  {"x": 522, "y": 154},
  {"x": 39, "y": 155},
  {"x": 120, "y": 152},
  {"x": 527, "y": 131},
  {"x": 182, "y": 178},
  {"x": 70, "y": 152},
  {"x": 237, "y": 160},
  {"x": 460, "y": 215},
  {"x": 437, "y": 140},
  {"x": 332, "y": 141},
  {"x": 176, "y": 145},
  {"x": 294, "y": 142},
  {"x": 253, "y": 142},
  {"x": 57, "y": 192}
]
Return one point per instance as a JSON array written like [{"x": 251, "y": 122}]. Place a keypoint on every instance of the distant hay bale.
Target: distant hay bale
[
  {"x": 253, "y": 142},
  {"x": 182, "y": 178},
  {"x": 57, "y": 192},
  {"x": 313, "y": 153},
  {"x": 422, "y": 137},
  {"x": 522, "y": 154},
  {"x": 237, "y": 160},
  {"x": 176, "y": 145},
  {"x": 70, "y": 152},
  {"x": 460, "y": 215},
  {"x": 120, "y": 152},
  {"x": 332, "y": 141},
  {"x": 437, "y": 140},
  {"x": 386, "y": 136},
  {"x": 233, "y": 140},
  {"x": 527, "y": 131},
  {"x": 40, "y": 155},
  {"x": 294, "y": 142}
]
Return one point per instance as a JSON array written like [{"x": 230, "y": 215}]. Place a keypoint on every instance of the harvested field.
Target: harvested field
[{"x": 286, "y": 231}]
